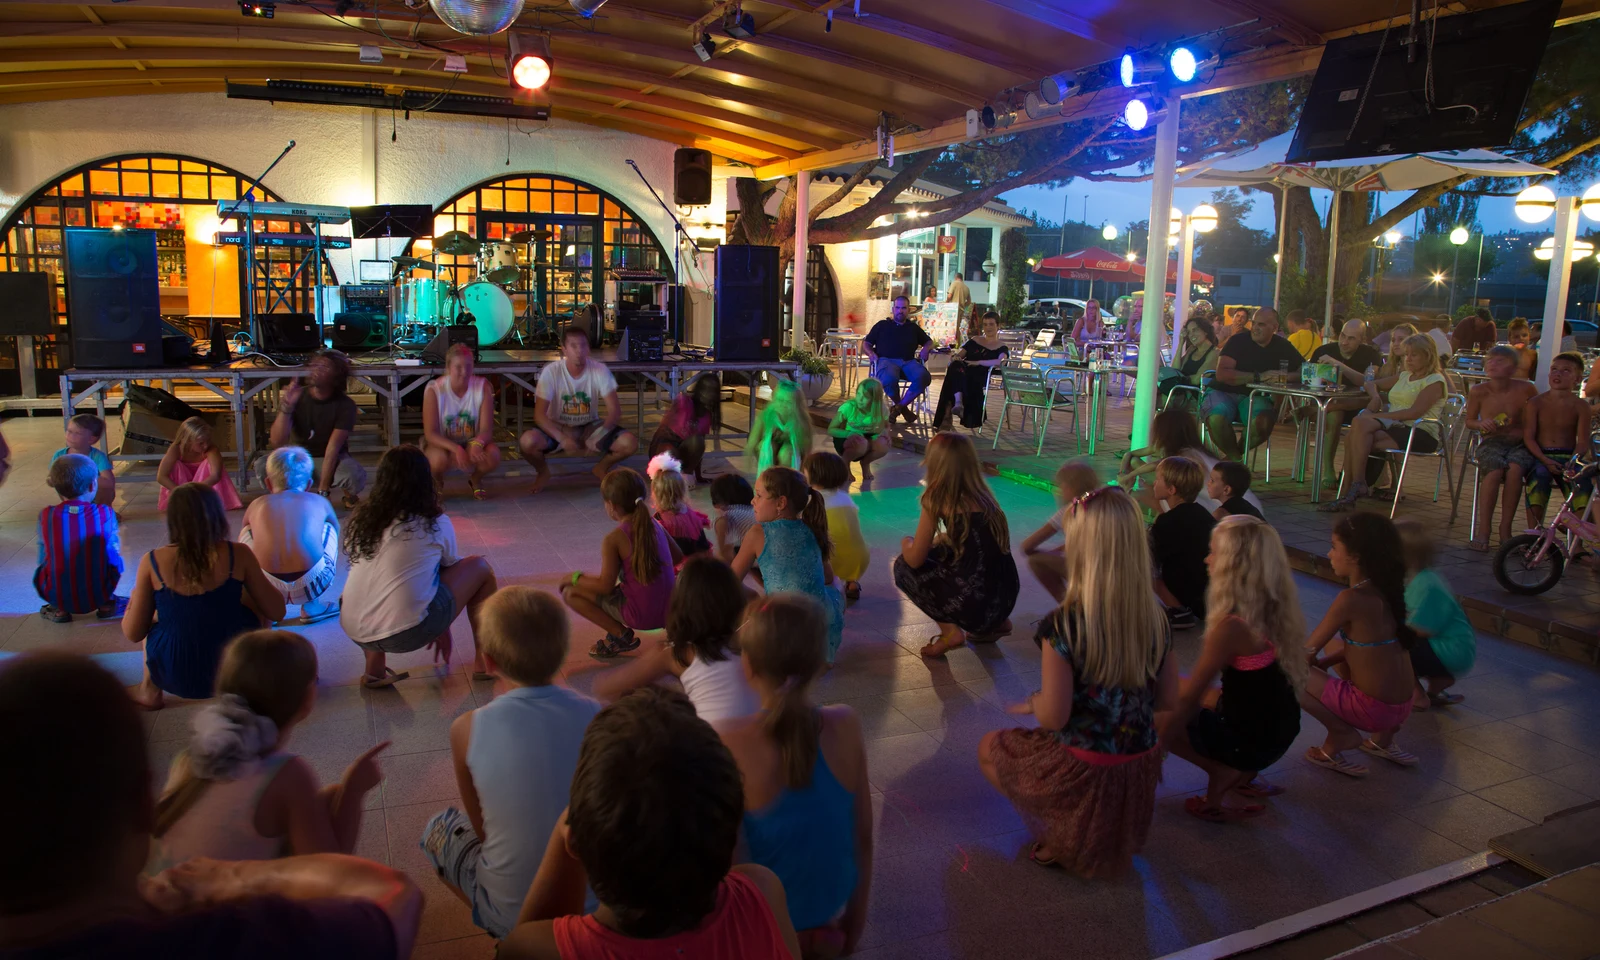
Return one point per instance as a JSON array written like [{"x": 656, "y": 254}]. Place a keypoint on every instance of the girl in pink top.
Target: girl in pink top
[
  {"x": 637, "y": 564},
  {"x": 193, "y": 458},
  {"x": 683, "y": 523},
  {"x": 693, "y": 416}
]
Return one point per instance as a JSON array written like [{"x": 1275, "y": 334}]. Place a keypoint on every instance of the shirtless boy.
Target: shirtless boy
[
  {"x": 1556, "y": 431},
  {"x": 1494, "y": 409},
  {"x": 295, "y": 535}
]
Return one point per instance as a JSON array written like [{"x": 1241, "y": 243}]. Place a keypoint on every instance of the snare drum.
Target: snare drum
[
  {"x": 491, "y": 309},
  {"x": 425, "y": 301},
  {"x": 497, "y": 263}
]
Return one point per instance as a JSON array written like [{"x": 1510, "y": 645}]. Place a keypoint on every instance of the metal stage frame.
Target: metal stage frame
[{"x": 249, "y": 391}]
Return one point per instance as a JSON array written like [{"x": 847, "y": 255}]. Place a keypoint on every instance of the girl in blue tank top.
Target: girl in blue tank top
[{"x": 808, "y": 812}]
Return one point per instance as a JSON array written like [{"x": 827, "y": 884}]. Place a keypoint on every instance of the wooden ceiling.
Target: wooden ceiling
[{"x": 797, "y": 95}]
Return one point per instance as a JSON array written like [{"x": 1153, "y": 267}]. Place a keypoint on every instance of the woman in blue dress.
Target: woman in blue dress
[{"x": 789, "y": 542}]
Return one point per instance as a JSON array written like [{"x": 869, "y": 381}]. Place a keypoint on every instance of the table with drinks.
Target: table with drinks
[{"x": 1320, "y": 385}]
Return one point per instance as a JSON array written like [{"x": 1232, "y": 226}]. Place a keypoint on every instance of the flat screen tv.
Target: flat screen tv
[{"x": 1481, "y": 65}]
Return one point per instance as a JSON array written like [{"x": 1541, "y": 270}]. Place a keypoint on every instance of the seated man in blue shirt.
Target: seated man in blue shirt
[{"x": 899, "y": 349}]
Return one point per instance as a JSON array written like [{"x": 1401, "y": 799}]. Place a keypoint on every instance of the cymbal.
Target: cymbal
[
  {"x": 412, "y": 263},
  {"x": 456, "y": 244},
  {"x": 528, "y": 236}
]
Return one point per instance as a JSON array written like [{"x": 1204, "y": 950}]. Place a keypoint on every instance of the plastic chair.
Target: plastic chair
[{"x": 1026, "y": 389}]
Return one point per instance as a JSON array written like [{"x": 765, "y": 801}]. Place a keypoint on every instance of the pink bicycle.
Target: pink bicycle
[{"x": 1533, "y": 562}]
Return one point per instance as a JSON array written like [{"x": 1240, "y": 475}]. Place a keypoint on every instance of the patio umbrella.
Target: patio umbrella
[
  {"x": 1264, "y": 163},
  {"x": 1095, "y": 263}
]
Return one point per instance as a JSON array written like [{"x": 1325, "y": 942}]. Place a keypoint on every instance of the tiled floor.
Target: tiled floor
[{"x": 951, "y": 876}]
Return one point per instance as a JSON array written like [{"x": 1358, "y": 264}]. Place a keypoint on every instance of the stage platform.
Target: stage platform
[{"x": 248, "y": 389}]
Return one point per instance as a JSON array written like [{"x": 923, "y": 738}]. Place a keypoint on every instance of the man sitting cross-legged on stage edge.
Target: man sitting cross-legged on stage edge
[
  {"x": 566, "y": 409},
  {"x": 295, "y": 535},
  {"x": 319, "y": 417},
  {"x": 899, "y": 350}
]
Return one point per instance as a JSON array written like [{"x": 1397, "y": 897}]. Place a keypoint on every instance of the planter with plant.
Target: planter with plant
[{"x": 815, "y": 376}]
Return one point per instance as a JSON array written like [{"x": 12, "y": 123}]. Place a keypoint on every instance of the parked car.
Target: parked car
[{"x": 1069, "y": 311}]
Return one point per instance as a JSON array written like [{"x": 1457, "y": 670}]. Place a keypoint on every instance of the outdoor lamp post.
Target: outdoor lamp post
[
  {"x": 1458, "y": 236},
  {"x": 1202, "y": 219},
  {"x": 1535, "y": 205},
  {"x": 1109, "y": 231}
]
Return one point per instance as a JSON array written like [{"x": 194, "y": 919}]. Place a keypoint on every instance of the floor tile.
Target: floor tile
[
  {"x": 1533, "y": 798},
  {"x": 1467, "y": 820}
]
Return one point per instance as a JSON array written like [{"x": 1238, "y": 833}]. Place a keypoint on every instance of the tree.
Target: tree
[
  {"x": 1232, "y": 244},
  {"x": 1013, "y": 275}
]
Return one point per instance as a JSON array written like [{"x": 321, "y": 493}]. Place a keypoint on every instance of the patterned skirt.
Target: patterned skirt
[{"x": 1094, "y": 816}]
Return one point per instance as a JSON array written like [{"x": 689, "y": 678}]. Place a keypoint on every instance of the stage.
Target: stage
[{"x": 248, "y": 390}]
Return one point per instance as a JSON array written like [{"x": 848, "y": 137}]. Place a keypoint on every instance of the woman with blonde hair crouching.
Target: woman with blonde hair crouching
[{"x": 1085, "y": 780}]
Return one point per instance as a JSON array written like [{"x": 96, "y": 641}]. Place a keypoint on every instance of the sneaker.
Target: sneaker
[
  {"x": 1181, "y": 618},
  {"x": 614, "y": 646}
]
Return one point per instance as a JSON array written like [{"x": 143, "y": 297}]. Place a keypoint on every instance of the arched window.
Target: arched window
[
  {"x": 572, "y": 239},
  {"x": 175, "y": 196},
  {"x": 822, "y": 298}
]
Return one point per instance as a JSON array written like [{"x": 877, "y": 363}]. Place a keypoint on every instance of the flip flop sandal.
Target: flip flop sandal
[
  {"x": 1337, "y": 506},
  {"x": 1033, "y": 855},
  {"x": 1445, "y": 699},
  {"x": 1480, "y": 546},
  {"x": 307, "y": 619},
  {"x": 1337, "y": 763},
  {"x": 1196, "y": 807},
  {"x": 934, "y": 649},
  {"x": 1259, "y": 788},
  {"x": 1391, "y": 753},
  {"x": 118, "y": 607},
  {"x": 478, "y": 493},
  {"x": 55, "y": 614},
  {"x": 852, "y": 590},
  {"x": 389, "y": 679}
]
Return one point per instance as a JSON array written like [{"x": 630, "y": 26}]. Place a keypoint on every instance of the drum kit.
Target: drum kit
[{"x": 424, "y": 304}]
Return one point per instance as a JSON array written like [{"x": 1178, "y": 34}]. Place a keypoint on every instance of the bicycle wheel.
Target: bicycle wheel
[{"x": 1515, "y": 568}]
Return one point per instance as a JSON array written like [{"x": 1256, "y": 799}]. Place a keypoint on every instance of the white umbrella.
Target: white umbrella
[{"x": 1264, "y": 163}]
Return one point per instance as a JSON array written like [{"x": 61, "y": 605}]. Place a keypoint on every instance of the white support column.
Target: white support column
[
  {"x": 1555, "y": 291},
  {"x": 999, "y": 276},
  {"x": 1283, "y": 221},
  {"x": 1180, "y": 304},
  {"x": 1333, "y": 255},
  {"x": 1155, "y": 275},
  {"x": 802, "y": 248}
]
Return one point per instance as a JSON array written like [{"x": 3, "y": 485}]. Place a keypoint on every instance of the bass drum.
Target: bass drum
[{"x": 492, "y": 311}]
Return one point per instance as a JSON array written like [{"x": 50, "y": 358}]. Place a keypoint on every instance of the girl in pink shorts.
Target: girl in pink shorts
[{"x": 1361, "y": 678}]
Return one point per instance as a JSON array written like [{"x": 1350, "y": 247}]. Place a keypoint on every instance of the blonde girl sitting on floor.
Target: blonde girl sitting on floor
[{"x": 193, "y": 458}]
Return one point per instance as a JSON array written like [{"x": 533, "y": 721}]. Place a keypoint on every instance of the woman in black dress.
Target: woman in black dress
[
  {"x": 967, "y": 379},
  {"x": 1197, "y": 353}
]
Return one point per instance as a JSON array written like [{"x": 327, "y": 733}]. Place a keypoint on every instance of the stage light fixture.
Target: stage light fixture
[
  {"x": 1036, "y": 108},
  {"x": 1187, "y": 60},
  {"x": 987, "y": 117},
  {"x": 1053, "y": 90},
  {"x": 370, "y": 53},
  {"x": 705, "y": 48},
  {"x": 1535, "y": 204},
  {"x": 1136, "y": 115},
  {"x": 587, "y": 8},
  {"x": 1136, "y": 68},
  {"x": 529, "y": 60},
  {"x": 264, "y": 9},
  {"x": 739, "y": 25}
]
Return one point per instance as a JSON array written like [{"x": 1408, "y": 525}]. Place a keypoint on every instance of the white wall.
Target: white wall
[{"x": 343, "y": 155}]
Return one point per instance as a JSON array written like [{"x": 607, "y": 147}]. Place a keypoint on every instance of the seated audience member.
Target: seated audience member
[
  {"x": 966, "y": 381},
  {"x": 234, "y": 793},
  {"x": 1303, "y": 335},
  {"x": 458, "y": 422},
  {"x": 1392, "y": 345},
  {"x": 1416, "y": 393},
  {"x": 1475, "y": 333},
  {"x": 1353, "y": 357},
  {"x": 319, "y": 417},
  {"x": 514, "y": 759},
  {"x": 1090, "y": 325},
  {"x": 808, "y": 809},
  {"x": 1361, "y": 677},
  {"x": 1447, "y": 645},
  {"x": 1228, "y": 484},
  {"x": 1261, "y": 357},
  {"x": 1556, "y": 431},
  {"x": 1520, "y": 336},
  {"x": 656, "y": 845},
  {"x": 899, "y": 350},
  {"x": 569, "y": 396},
  {"x": 1197, "y": 356},
  {"x": 829, "y": 475},
  {"x": 860, "y": 428},
  {"x": 72, "y": 887},
  {"x": 1179, "y": 541},
  {"x": 1049, "y": 564},
  {"x": 731, "y": 500},
  {"x": 1174, "y": 433},
  {"x": 407, "y": 582},
  {"x": 1085, "y": 780},
  {"x": 295, "y": 535},
  {"x": 1237, "y": 322},
  {"x": 193, "y": 458},
  {"x": 1495, "y": 410},
  {"x": 193, "y": 596},
  {"x": 669, "y": 494},
  {"x": 80, "y": 549},
  {"x": 693, "y": 416},
  {"x": 1252, "y": 642},
  {"x": 638, "y": 567},
  {"x": 83, "y": 436}
]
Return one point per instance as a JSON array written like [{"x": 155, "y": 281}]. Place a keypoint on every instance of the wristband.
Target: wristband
[
  {"x": 474, "y": 440},
  {"x": 576, "y": 576}
]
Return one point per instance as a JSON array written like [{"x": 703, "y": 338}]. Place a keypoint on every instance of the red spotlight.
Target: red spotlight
[{"x": 529, "y": 61}]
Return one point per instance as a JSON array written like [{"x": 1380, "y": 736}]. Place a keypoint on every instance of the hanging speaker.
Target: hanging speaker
[{"x": 691, "y": 177}]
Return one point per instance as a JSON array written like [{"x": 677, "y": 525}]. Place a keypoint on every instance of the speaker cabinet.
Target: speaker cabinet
[
  {"x": 691, "y": 177},
  {"x": 290, "y": 332},
  {"x": 113, "y": 298},
  {"x": 25, "y": 305},
  {"x": 748, "y": 315},
  {"x": 447, "y": 337},
  {"x": 360, "y": 331}
]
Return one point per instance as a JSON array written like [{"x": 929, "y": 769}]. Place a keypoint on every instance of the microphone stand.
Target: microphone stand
[
  {"x": 250, "y": 251},
  {"x": 677, "y": 252}
]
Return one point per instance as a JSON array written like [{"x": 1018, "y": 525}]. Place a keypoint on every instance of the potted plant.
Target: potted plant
[{"x": 815, "y": 376}]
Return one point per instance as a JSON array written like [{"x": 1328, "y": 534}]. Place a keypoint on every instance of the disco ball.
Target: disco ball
[{"x": 477, "y": 18}]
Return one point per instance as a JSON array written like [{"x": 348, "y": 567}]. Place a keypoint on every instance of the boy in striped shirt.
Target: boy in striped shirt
[{"x": 80, "y": 554}]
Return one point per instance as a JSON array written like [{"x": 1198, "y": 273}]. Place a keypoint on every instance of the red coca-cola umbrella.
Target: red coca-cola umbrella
[{"x": 1094, "y": 263}]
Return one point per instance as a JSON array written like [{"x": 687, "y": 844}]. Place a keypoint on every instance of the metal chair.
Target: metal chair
[
  {"x": 1027, "y": 390},
  {"x": 1450, "y": 423}
]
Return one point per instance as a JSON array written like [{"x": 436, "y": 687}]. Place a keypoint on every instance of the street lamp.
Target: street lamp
[
  {"x": 1202, "y": 219},
  {"x": 1535, "y": 205},
  {"x": 1109, "y": 231},
  {"x": 1459, "y": 236}
]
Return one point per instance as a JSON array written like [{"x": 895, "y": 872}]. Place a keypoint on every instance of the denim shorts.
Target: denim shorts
[{"x": 441, "y": 611}]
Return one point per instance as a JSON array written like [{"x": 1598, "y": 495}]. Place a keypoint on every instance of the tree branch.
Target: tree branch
[
  {"x": 1426, "y": 197},
  {"x": 856, "y": 179},
  {"x": 897, "y": 185}
]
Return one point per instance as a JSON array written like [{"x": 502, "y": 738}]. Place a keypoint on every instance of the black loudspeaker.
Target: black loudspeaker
[
  {"x": 360, "y": 331},
  {"x": 748, "y": 314},
  {"x": 290, "y": 332},
  {"x": 691, "y": 177},
  {"x": 448, "y": 336},
  {"x": 644, "y": 335},
  {"x": 25, "y": 307},
  {"x": 113, "y": 298}
]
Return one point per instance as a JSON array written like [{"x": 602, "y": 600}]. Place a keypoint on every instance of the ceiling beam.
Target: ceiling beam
[
  {"x": 1283, "y": 24},
  {"x": 1065, "y": 21},
  {"x": 995, "y": 57}
]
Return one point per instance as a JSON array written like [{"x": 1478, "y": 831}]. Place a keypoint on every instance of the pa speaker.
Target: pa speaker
[
  {"x": 447, "y": 337},
  {"x": 359, "y": 331},
  {"x": 691, "y": 177},
  {"x": 25, "y": 305},
  {"x": 748, "y": 314},
  {"x": 290, "y": 332},
  {"x": 113, "y": 298}
]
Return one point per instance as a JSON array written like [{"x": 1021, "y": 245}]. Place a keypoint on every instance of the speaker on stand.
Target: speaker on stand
[
  {"x": 691, "y": 177},
  {"x": 748, "y": 311},
  {"x": 113, "y": 298}
]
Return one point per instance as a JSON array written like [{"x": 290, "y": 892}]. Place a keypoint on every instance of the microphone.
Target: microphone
[
  {"x": 631, "y": 164},
  {"x": 290, "y": 146}
]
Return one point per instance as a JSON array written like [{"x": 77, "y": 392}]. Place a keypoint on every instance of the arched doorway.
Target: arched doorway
[
  {"x": 174, "y": 195},
  {"x": 822, "y": 297},
  {"x": 588, "y": 246}
]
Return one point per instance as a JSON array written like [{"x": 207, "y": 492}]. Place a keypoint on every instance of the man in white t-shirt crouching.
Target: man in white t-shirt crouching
[{"x": 566, "y": 408}]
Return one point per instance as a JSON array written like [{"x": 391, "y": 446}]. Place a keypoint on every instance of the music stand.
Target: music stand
[{"x": 391, "y": 220}]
